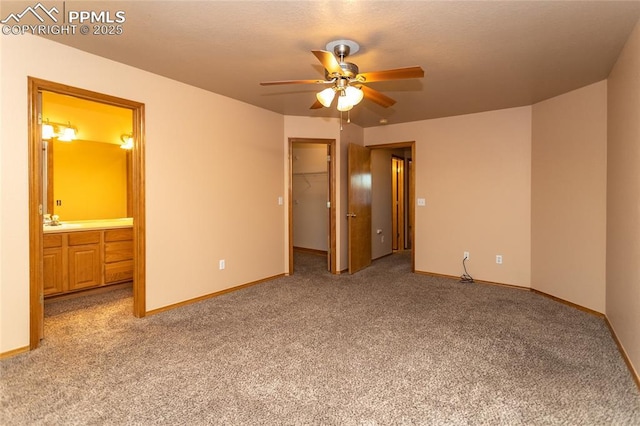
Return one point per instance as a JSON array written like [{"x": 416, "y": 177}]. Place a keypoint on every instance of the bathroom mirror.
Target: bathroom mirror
[{"x": 87, "y": 178}]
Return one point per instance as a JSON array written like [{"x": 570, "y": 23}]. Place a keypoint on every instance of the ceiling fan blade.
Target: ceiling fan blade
[
  {"x": 395, "y": 74},
  {"x": 272, "y": 83},
  {"x": 316, "y": 105},
  {"x": 377, "y": 97},
  {"x": 329, "y": 62}
]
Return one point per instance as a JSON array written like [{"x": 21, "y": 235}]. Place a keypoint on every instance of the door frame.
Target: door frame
[
  {"x": 36, "y": 301},
  {"x": 410, "y": 192},
  {"x": 331, "y": 144}
]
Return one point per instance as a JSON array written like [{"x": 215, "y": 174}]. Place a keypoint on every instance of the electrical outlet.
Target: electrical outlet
[
  {"x": 222, "y": 264},
  {"x": 465, "y": 255},
  {"x": 499, "y": 259}
]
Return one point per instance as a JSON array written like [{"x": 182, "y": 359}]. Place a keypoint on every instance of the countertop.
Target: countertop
[{"x": 88, "y": 225}]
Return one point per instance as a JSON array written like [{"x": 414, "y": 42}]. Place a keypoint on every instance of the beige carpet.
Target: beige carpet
[{"x": 381, "y": 347}]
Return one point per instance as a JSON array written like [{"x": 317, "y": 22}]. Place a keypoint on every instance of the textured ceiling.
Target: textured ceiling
[{"x": 477, "y": 55}]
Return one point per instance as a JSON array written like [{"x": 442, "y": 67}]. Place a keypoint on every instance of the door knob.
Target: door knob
[{"x": 351, "y": 215}]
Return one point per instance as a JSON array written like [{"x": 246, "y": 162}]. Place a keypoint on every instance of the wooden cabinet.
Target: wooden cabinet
[
  {"x": 53, "y": 264},
  {"x": 118, "y": 255},
  {"x": 86, "y": 259}
]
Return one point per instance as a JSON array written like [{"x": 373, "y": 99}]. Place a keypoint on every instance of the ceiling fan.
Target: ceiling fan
[{"x": 346, "y": 81}]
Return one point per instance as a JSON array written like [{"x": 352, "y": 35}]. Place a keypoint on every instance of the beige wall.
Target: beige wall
[
  {"x": 207, "y": 180},
  {"x": 569, "y": 196},
  {"x": 623, "y": 198},
  {"x": 474, "y": 172}
]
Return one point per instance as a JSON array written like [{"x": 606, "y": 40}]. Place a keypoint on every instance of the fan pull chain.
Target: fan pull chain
[
  {"x": 340, "y": 120},
  {"x": 349, "y": 116}
]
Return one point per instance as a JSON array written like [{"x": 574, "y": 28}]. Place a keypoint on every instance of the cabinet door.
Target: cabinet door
[
  {"x": 84, "y": 266},
  {"x": 53, "y": 277}
]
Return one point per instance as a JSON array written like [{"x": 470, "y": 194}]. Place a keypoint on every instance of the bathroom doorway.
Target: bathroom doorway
[{"x": 43, "y": 200}]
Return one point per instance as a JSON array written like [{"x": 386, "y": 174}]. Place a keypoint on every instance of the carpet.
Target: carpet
[{"x": 380, "y": 347}]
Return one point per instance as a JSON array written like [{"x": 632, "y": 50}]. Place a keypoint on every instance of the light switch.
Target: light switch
[
  {"x": 422, "y": 202},
  {"x": 280, "y": 201}
]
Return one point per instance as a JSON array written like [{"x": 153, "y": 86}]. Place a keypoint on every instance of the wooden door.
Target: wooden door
[
  {"x": 359, "y": 213},
  {"x": 397, "y": 212}
]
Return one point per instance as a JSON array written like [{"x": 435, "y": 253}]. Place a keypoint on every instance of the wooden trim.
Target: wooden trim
[
  {"x": 311, "y": 251},
  {"x": 49, "y": 189},
  {"x": 634, "y": 374},
  {"x": 139, "y": 213},
  {"x": 457, "y": 278},
  {"x": 14, "y": 352},
  {"x": 36, "y": 296},
  {"x": 35, "y": 85},
  {"x": 211, "y": 295},
  {"x": 566, "y": 302}
]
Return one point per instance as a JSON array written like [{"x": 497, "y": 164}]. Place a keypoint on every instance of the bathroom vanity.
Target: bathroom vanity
[{"x": 87, "y": 254}]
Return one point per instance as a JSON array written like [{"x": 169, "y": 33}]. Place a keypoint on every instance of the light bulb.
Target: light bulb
[
  {"x": 68, "y": 134},
  {"x": 354, "y": 94},
  {"x": 343, "y": 103},
  {"x": 47, "y": 131},
  {"x": 326, "y": 96},
  {"x": 127, "y": 144}
]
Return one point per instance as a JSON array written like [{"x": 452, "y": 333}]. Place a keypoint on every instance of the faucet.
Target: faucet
[{"x": 51, "y": 220}]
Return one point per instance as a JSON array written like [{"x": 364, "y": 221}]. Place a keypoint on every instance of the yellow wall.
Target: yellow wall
[
  {"x": 90, "y": 180},
  {"x": 623, "y": 198},
  {"x": 94, "y": 121}
]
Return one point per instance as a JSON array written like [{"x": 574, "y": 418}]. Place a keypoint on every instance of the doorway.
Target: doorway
[
  {"x": 312, "y": 209},
  {"x": 377, "y": 205},
  {"x": 39, "y": 202}
]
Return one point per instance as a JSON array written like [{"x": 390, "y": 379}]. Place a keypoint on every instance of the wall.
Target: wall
[
  {"x": 90, "y": 180},
  {"x": 328, "y": 128},
  {"x": 623, "y": 198},
  {"x": 310, "y": 196},
  {"x": 569, "y": 196},
  {"x": 205, "y": 180},
  {"x": 95, "y": 121},
  {"x": 474, "y": 172}
]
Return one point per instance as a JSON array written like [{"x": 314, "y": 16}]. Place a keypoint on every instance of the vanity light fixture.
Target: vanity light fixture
[
  {"x": 127, "y": 141},
  {"x": 62, "y": 132}
]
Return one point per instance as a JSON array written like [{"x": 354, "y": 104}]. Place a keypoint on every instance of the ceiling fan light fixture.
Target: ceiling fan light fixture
[
  {"x": 326, "y": 96},
  {"x": 354, "y": 95},
  {"x": 343, "y": 103}
]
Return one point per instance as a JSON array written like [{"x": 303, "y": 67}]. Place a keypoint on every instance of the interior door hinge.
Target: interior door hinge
[
  {"x": 39, "y": 118},
  {"x": 328, "y": 158},
  {"x": 40, "y": 208},
  {"x": 328, "y": 204}
]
